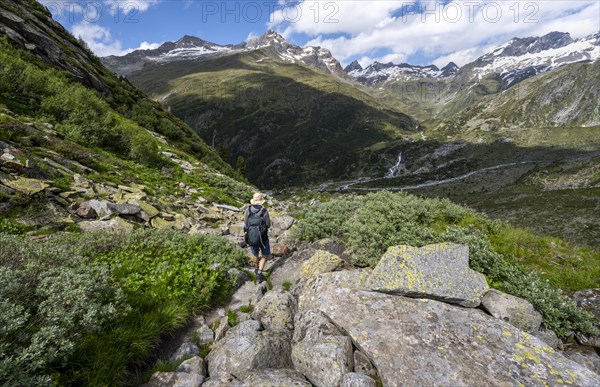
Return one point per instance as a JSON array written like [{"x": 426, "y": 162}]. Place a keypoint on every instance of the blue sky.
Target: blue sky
[{"x": 417, "y": 32}]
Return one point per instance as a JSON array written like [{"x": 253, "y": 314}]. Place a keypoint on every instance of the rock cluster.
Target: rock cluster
[{"x": 342, "y": 326}]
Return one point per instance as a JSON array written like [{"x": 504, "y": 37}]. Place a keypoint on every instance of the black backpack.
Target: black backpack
[{"x": 257, "y": 227}]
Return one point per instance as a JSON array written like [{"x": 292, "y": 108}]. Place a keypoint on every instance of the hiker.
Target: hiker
[{"x": 256, "y": 228}]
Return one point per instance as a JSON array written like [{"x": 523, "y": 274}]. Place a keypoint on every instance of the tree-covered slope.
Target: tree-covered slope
[{"x": 292, "y": 124}]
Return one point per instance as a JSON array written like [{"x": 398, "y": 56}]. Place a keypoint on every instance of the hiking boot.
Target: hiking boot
[{"x": 259, "y": 278}]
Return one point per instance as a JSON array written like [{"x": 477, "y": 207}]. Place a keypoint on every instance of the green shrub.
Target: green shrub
[
  {"x": 325, "y": 220},
  {"x": 83, "y": 309},
  {"x": 47, "y": 309}
]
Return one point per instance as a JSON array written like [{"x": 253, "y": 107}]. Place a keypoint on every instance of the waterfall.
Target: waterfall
[{"x": 395, "y": 170}]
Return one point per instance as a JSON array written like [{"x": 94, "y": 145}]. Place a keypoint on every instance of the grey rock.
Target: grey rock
[
  {"x": 585, "y": 356},
  {"x": 312, "y": 325},
  {"x": 273, "y": 378},
  {"x": 238, "y": 276},
  {"x": 282, "y": 223},
  {"x": 222, "y": 328},
  {"x": 589, "y": 300},
  {"x": 276, "y": 312},
  {"x": 246, "y": 348},
  {"x": 427, "y": 342},
  {"x": 125, "y": 209},
  {"x": 175, "y": 379},
  {"x": 205, "y": 334},
  {"x": 319, "y": 349},
  {"x": 261, "y": 289},
  {"x": 186, "y": 350},
  {"x": 227, "y": 207},
  {"x": 549, "y": 337},
  {"x": 514, "y": 310},
  {"x": 101, "y": 207},
  {"x": 320, "y": 262},
  {"x": 324, "y": 362},
  {"x": 439, "y": 272},
  {"x": 116, "y": 225},
  {"x": 86, "y": 212},
  {"x": 194, "y": 365},
  {"x": 223, "y": 379},
  {"x": 363, "y": 365},
  {"x": 353, "y": 379}
]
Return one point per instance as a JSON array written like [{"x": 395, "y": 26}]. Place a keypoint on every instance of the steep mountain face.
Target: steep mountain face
[
  {"x": 316, "y": 57},
  {"x": 379, "y": 73},
  {"x": 566, "y": 97},
  {"x": 520, "y": 59},
  {"x": 190, "y": 47}
]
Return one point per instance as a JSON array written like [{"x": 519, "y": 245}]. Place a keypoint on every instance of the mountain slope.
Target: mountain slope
[
  {"x": 566, "y": 97},
  {"x": 290, "y": 123}
]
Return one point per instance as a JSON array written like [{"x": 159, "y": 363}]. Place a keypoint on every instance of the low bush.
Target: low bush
[{"x": 84, "y": 309}]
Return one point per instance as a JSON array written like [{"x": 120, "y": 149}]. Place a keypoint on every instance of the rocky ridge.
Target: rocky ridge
[{"x": 192, "y": 48}]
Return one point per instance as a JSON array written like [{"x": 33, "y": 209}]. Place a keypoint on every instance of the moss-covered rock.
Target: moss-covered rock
[
  {"x": 320, "y": 262},
  {"x": 26, "y": 185},
  {"x": 439, "y": 271}
]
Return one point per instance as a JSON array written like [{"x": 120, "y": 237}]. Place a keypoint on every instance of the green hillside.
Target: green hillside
[
  {"x": 290, "y": 123},
  {"x": 84, "y": 152}
]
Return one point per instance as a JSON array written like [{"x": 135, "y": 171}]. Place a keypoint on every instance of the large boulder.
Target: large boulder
[
  {"x": 427, "y": 342},
  {"x": 320, "y": 262},
  {"x": 324, "y": 362},
  {"x": 276, "y": 312},
  {"x": 273, "y": 378},
  {"x": 320, "y": 351},
  {"x": 245, "y": 348},
  {"x": 439, "y": 272},
  {"x": 514, "y": 310}
]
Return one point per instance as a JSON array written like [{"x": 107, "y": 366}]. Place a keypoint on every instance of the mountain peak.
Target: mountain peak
[
  {"x": 354, "y": 66},
  {"x": 534, "y": 44}
]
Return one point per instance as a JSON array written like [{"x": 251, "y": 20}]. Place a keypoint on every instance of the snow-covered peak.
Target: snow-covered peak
[
  {"x": 521, "y": 58},
  {"x": 377, "y": 73},
  {"x": 317, "y": 57}
]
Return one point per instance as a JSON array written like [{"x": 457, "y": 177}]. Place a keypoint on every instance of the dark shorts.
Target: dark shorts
[{"x": 265, "y": 250}]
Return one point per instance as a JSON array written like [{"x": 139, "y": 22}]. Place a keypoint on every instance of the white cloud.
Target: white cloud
[
  {"x": 130, "y": 6},
  {"x": 97, "y": 38},
  {"x": 100, "y": 41},
  {"x": 252, "y": 35},
  {"x": 459, "y": 31},
  {"x": 147, "y": 46}
]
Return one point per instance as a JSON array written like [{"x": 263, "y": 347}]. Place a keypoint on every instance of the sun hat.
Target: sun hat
[{"x": 258, "y": 198}]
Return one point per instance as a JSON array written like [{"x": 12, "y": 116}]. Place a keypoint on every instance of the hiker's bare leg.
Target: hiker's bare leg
[{"x": 262, "y": 262}]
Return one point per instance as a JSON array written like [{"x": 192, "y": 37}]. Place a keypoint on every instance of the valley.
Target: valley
[{"x": 521, "y": 111}]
